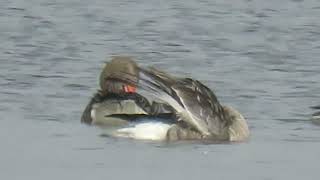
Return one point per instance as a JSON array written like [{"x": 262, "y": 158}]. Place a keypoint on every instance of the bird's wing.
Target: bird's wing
[{"x": 202, "y": 109}]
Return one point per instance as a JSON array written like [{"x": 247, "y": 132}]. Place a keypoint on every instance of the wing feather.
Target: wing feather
[{"x": 194, "y": 102}]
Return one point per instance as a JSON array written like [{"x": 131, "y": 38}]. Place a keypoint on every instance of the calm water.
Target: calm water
[{"x": 261, "y": 57}]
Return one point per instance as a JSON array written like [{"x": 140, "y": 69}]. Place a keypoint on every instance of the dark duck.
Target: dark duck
[{"x": 199, "y": 114}]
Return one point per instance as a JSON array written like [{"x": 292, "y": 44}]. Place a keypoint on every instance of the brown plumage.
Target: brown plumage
[{"x": 196, "y": 105}]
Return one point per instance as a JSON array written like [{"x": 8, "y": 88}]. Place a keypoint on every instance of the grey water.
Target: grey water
[{"x": 261, "y": 57}]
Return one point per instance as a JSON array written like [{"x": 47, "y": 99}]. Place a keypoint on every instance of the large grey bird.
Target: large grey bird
[{"x": 198, "y": 111}]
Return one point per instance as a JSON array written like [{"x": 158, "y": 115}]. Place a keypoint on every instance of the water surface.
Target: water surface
[{"x": 261, "y": 57}]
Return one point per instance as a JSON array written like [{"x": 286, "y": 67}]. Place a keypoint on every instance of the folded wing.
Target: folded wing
[{"x": 195, "y": 103}]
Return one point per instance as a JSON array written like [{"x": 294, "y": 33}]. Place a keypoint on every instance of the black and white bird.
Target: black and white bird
[{"x": 199, "y": 114}]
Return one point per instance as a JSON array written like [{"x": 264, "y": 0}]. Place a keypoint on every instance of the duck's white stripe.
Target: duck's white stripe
[{"x": 145, "y": 131}]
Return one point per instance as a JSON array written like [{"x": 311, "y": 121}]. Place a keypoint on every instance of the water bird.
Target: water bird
[{"x": 199, "y": 114}]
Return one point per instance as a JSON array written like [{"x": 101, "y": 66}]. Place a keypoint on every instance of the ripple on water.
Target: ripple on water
[
  {"x": 303, "y": 139},
  {"x": 60, "y": 135},
  {"x": 53, "y": 118},
  {"x": 76, "y": 87},
  {"x": 293, "y": 120},
  {"x": 88, "y": 148},
  {"x": 41, "y": 76},
  {"x": 16, "y": 9}
]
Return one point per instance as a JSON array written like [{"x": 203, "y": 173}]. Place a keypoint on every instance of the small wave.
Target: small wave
[
  {"x": 47, "y": 76},
  {"x": 16, "y": 9}
]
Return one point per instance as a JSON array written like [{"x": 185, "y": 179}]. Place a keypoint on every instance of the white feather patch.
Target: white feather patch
[
  {"x": 145, "y": 131},
  {"x": 93, "y": 114}
]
